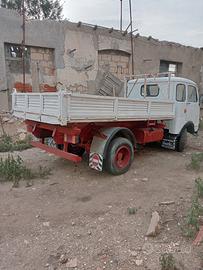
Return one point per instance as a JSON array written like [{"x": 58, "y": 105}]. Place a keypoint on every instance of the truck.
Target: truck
[{"x": 152, "y": 108}]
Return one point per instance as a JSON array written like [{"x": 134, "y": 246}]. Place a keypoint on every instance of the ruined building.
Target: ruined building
[{"x": 72, "y": 53}]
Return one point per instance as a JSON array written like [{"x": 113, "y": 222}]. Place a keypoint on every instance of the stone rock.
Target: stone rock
[
  {"x": 145, "y": 179},
  {"x": 21, "y": 130},
  {"x": 22, "y": 136},
  {"x": 133, "y": 253},
  {"x": 46, "y": 224},
  {"x": 63, "y": 259},
  {"x": 5, "y": 119},
  {"x": 11, "y": 121},
  {"x": 154, "y": 225},
  {"x": 166, "y": 203},
  {"x": 22, "y": 133},
  {"x": 26, "y": 242},
  {"x": 72, "y": 263},
  {"x": 139, "y": 262},
  {"x": 199, "y": 237}
]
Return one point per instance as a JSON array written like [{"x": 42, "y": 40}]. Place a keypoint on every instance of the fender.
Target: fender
[
  {"x": 190, "y": 127},
  {"x": 99, "y": 146}
]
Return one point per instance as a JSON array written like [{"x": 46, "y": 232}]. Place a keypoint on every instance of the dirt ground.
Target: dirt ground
[{"x": 81, "y": 215}]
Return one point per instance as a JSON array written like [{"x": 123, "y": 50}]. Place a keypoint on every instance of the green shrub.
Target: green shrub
[
  {"x": 5, "y": 143},
  {"x": 196, "y": 210},
  {"x": 196, "y": 161},
  {"x": 199, "y": 187},
  {"x": 132, "y": 210},
  {"x": 13, "y": 169},
  {"x": 8, "y": 145},
  {"x": 167, "y": 261},
  {"x": 201, "y": 125}
]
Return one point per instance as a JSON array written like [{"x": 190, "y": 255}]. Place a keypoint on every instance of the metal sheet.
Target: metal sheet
[{"x": 61, "y": 108}]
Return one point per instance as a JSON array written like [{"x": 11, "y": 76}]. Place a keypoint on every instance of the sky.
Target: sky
[{"x": 173, "y": 20}]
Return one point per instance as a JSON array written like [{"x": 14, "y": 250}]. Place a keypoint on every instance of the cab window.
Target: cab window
[
  {"x": 191, "y": 94},
  {"x": 152, "y": 90},
  {"x": 180, "y": 93}
]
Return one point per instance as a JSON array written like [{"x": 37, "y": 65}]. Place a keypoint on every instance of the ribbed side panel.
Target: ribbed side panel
[
  {"x": 93, "y": 108},
  {"x": 34, "y": 103},
  {"x": 160, "y": 108},
  {"x": 51, "y": 104},
  {"x": 132, "y": 108},
  {"x": 20, "y": 101},
  {"x": 60, "y": 108}
]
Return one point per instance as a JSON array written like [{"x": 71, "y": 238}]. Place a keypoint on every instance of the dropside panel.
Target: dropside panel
[{"x": 62, "y": 108}]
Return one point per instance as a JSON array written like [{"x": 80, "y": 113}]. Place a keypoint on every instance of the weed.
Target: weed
[
  {"x": 13, "y": 169},
  {"x": 23, "y": 144},
  {"x": 192, "y": 220},
  {"x": 201, "y": 125},
  {"x": 196, "y": 161},
  {"x": 132, "y": 210},
  {"x": 43, "y": 172},
  {"x": 8, "y": 145},
  {"x": 5, "y": 143},
  {"x": 199, "y": 187},
  {"x": 167, "y": 261}
]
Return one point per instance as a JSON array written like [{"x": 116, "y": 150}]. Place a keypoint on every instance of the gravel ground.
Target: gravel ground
[{"x": 77, "y": 218}]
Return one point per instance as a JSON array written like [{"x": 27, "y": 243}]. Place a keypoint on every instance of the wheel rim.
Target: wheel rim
[{"x": 122, "y": 156}]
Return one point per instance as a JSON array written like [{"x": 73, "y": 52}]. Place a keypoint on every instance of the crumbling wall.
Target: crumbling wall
[
  {"x": 80, "y": 60},
  {"x": 46, "y": 52},
  {"x": 89, "y": 49},
  {"x": 115, "y": 61},
  {"x": 72, "y": 54},
  {"x": 149, "y": 52}
]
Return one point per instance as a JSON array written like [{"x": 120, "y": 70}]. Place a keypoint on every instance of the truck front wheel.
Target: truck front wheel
[
  {"x": 181, "y": 140},
  {"x": 119, "y": 157}
]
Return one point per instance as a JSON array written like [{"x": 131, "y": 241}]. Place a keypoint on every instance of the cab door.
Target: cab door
[
  {"x": 179, "y": 121},
  {"x": 192, "y": 106}
]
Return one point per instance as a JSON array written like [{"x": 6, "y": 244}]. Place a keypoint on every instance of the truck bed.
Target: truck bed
[{"x": 61, "y": 108}]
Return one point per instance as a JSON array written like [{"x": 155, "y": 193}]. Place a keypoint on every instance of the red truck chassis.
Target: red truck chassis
[{"x": 75, "y": 139}]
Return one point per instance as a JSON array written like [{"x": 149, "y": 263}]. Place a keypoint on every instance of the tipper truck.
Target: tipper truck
[{"x": 154, "y": 108}]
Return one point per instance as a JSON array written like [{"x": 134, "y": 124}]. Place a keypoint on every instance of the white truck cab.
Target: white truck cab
[{"x": 183, "y": 92}]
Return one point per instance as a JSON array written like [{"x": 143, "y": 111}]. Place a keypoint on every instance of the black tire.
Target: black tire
[
  {"x": 119, "y": 156},
  {"x": 181, "y": 141}
]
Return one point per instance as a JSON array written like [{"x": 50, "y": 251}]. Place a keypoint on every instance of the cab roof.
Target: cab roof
[{"x": 161, "y": 79}]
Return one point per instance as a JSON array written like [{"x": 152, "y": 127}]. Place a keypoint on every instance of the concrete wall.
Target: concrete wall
[
  {"x": 45, "y": 34},
  {"x": 79, "y": 51}
]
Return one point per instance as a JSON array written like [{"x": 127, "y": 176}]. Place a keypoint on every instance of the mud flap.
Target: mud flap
[
  {"x": 99, "y": 146},
  {"x": 96, "y": 161}
]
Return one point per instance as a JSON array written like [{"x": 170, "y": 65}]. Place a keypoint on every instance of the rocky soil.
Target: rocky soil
[{"x": 82, "y": 219}]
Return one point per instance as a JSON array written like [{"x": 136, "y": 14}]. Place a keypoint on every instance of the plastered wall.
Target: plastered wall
[{"x": 77, "y": 52}]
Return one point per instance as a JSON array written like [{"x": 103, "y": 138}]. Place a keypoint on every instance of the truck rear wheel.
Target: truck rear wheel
[
  {"x": 181, "y": 141},
  {"x": 120, "y": 155}
]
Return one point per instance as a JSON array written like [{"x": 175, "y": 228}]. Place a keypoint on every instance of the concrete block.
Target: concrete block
[
  {"x": 33, "y": 50},
  {"x": 106, "y": 57},
  {"x": 37, "y": 56},
  {"x": 116, "y": 58},
  {"x": 48, "y": 57},
  {"x": 124, "y": 59}
]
